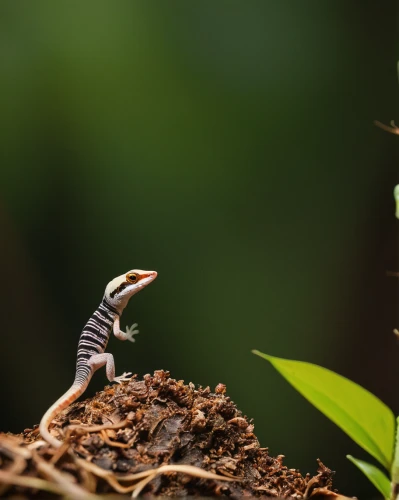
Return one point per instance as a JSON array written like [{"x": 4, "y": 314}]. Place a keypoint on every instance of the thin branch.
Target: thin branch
[{"x": 393, "y": 129}]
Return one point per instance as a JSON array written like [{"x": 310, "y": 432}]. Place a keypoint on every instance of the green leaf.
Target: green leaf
[
  {"x": 395, "y": 461},
  {"x": 364, "y": 417},
  {"x": 374, "y": 475}
]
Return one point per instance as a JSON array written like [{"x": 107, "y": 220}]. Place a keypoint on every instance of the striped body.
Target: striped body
[{"x": 94, "y": 339}]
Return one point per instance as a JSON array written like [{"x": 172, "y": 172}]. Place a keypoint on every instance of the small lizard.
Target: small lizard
[{"x": 93, "y": 341}]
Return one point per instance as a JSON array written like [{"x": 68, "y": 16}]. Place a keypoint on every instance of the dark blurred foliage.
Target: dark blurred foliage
[{"x": 230, "y": 146}]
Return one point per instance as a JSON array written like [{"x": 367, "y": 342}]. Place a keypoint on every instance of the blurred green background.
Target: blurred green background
[{"x": 230, "y": 146}]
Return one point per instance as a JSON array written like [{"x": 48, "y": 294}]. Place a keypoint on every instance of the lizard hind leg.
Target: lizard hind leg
[{"x": 99, "y": 360}]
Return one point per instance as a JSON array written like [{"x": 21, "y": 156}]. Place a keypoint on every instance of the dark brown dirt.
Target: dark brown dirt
[{"x": 143, "y": 424}]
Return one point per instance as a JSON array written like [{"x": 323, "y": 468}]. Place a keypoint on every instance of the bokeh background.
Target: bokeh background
[{"x": 230, "y": 146}]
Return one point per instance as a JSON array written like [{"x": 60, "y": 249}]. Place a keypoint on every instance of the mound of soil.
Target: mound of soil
[{"x": 115, "y": 441}]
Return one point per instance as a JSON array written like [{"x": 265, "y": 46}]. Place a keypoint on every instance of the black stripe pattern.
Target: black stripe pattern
[{"x": 94, "y": 339}]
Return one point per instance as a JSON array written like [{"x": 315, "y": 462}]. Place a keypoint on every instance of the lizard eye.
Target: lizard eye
[{"x": 132, "y": 277}]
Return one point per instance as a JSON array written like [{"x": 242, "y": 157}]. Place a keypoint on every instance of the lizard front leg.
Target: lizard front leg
[
  {"x": 128, "y": 335},
  {"x": 99, "y": 360}
]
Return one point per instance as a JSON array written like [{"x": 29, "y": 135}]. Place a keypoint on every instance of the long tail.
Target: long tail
[{"x": 63, "y": 402}]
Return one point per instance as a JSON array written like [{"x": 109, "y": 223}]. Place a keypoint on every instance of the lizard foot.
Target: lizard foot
[
  {"x": 131, "y": 331},
  {"x": 125, "y": 377}
]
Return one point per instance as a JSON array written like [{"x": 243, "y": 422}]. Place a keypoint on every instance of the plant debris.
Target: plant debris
[{"x": 153, "y": 436}]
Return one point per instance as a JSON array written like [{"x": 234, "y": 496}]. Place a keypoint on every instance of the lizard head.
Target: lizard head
[{"x": 121, "y": 288}]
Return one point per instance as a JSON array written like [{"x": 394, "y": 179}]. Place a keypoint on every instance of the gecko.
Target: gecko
[{"x": 93, "y": 342}]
